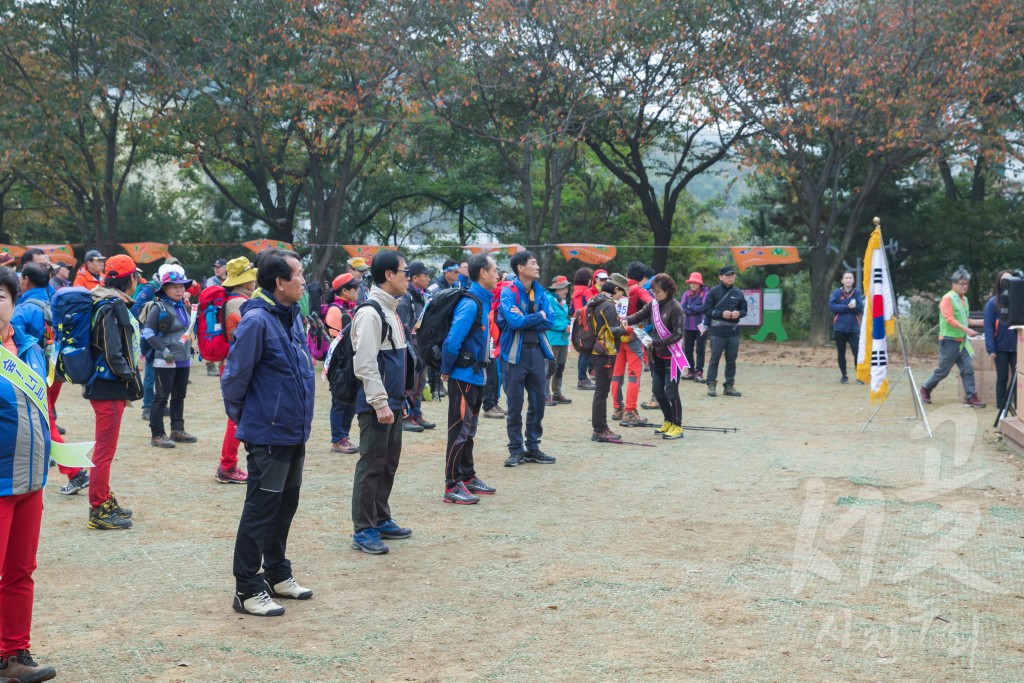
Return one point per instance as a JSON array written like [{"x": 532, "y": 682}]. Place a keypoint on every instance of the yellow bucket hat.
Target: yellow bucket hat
[{"x": 240, "y": 271}]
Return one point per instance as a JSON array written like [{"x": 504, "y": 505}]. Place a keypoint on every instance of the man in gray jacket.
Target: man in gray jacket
[{"x": 380, "y": 364}]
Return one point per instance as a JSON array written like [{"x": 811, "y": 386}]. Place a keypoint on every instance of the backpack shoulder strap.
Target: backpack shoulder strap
[{"x": 385, "y": 328}]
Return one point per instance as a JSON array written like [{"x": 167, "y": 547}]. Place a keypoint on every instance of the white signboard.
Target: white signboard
[{"x": 753, "y": 316}]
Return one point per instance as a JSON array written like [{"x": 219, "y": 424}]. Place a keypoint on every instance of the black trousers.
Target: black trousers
[
  {"x": 490, "y": 392},
  {"x": 666, "y": 390},
  {"x": 693, "y": 340},
  {"x": 464, "y": 401},
  {"x": 171, "y": 383},
  {"x": 842, "y": 340},
  {"x": 1006, "y": 371},
  {"x": 271, "y": 499},
  {"x": 380, "y": 447},
  {"x": 730, "y": 346},
  {"x": 603, "y": 366}
]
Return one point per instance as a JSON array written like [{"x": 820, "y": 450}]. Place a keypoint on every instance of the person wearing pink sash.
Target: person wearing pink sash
[{"x": 667, "y": 360}]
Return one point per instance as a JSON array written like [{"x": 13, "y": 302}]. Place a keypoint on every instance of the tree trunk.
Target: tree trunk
[{"x": 822, "y": 272}]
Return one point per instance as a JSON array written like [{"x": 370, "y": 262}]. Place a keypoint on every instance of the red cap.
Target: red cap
[
  {"x": 341, "y": 281},
  {"x": 120, "y": 266}
]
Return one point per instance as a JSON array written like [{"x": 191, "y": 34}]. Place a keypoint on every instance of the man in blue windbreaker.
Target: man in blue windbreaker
[
  {"x": 525, "y": 314},
  {"x": 464, "y": 357},
  {"x": 268, "y": 387}
]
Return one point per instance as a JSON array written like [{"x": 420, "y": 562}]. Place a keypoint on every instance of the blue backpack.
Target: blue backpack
[{"x": 73, "y": 310}]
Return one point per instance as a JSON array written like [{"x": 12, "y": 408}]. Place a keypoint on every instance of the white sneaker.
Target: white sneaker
[
  {"x": 290, "y": 589},
  {"x": 260, "y": 605}
]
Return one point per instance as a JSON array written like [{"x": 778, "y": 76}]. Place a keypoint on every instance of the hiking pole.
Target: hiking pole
[
  {"x": 723, "y": 430},
  {"x": 632, "y": 443}
]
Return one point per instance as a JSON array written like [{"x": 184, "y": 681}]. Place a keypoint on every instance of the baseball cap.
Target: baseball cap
[
  {"x": 418, "y": 268},
  {"x": 120, "y": 266},
  {"x": 93, "y": 255},
  {"x": 727, "y": 270},
  {"x": 220, "y": 262},
  {"x": 600, "y": 275},
  {"x": 358, "y": 263},
  {"x": 343, "y": 280}
]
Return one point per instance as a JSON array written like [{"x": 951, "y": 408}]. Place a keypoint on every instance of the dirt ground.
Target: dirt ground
[{"x": 798, "y": 548}]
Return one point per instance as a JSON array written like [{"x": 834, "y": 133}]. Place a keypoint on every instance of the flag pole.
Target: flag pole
[{"x": 919, "y": 413}]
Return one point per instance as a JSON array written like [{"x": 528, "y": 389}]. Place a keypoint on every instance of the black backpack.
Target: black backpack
[
  {"x": 437, "y": 321},
  {"x": 341, "y": 375}
]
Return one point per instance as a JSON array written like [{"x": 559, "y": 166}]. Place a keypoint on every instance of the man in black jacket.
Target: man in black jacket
[{"x": 723, "y": 308}]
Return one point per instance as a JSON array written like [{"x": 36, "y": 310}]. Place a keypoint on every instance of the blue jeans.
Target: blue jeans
[
  {"x": 341, "y": 420},
  {"x": 528, "y": 378},
  {"x": 582, "y": 367},
  {"x": 148, "y": 387}
]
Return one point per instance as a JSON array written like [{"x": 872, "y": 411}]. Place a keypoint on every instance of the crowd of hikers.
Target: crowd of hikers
[{"x": 392, "y": 337}]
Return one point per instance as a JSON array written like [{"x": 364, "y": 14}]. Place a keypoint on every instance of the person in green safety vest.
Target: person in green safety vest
[{"x": 954, "y": 346}]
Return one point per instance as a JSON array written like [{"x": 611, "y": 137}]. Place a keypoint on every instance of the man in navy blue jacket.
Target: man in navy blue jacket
[
  {"x": 268, "y": 387},
  {"x": 525, "y": 314},
  {"x": 463, "y": 360}
]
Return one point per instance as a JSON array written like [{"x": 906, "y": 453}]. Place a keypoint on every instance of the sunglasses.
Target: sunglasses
[{"x": 174, "y": 277}]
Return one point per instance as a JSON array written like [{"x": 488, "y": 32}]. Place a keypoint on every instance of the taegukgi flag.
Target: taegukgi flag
[{"x": 879, "y": 320}]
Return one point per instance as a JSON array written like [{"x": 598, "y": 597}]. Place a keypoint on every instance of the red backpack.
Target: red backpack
[{"x": 213, "y": 339}]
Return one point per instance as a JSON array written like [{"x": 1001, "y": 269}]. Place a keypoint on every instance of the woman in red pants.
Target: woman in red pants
[{"x": 24, "y": 462}]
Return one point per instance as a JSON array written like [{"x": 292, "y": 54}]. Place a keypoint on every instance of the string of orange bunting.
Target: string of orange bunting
[{"x": 595, "y": 254}]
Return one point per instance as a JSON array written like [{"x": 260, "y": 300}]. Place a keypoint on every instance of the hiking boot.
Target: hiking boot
[
  {"x": 844, "y": 380},
  {"x": 585, "y": 385},
  {"x": 605, "y": 436},
  {"x": 391, "y": 529},
  {"x": 344, "y": 446},
  {"x": 548, "y": 401},
  {"x": 495, "y": 413},
  {"x": 651, "y": 405},
  {"x": 368, "y": 540},
  {"x": 476, "y": 485},
  {"x": 161, "y": 442},
  {"x": 663, "y": 428},
  {"x": 232, "y": 476},
  {"x": 424, "y": 423},
  {"x": 124, "y": 512},
  {"x": 698, "y": 377},
  {"x": 289, "y": 589},
  {"x": 711, "y": 388},
  {"x": 538, "y": 457},
  {"x": 730, "y": 390},
  {"x": 514, "y": 460},
  {"x": 108, "y": 518},
  {"x": 674, "y": 432},
  {"x": 459, "y": 495},
  {"x": 75, "y": 484},
  {"x": 690, "y": 375},
  {"x": 146, "y": 412},
  {"x": 926, "y": 395},
  {"x": 617, "y": 414},
  {"x": 973, "y": 401},
  {"x": 181, "y": 436},
  {"x": 561, "y": 398},
  {"x": 21, "y": 668},
  {"x": 211, "y": 371},
  {"x": 409, "y": 425},
  {"x": 259, "y": 605},
  {"x": 632, "y": 419}
]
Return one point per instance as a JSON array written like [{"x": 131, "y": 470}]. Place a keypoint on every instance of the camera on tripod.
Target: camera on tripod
[{"x": 1011, "y": 301}]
